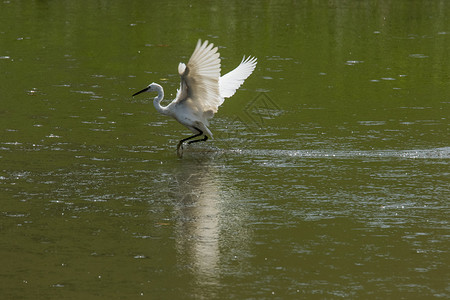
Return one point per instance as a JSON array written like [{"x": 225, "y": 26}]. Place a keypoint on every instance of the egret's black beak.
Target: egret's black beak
[{"x": 141, "y": 91}]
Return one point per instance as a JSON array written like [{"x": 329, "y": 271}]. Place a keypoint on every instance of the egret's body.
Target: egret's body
[{"x": 202, "y": 90}]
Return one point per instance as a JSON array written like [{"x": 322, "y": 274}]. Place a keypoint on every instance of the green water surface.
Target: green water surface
[{"x": 327, "y": 178}]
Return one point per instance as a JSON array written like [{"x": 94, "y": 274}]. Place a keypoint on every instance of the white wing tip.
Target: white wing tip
[{"x": 250, "y": 59}]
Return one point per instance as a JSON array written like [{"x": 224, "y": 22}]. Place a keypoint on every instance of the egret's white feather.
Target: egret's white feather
[
  {"x": 230, "y": 82},
  {"x": 200, "y": 80}
]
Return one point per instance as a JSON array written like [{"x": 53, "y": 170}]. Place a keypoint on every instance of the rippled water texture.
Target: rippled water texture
[{"x": 328, "y": 174}]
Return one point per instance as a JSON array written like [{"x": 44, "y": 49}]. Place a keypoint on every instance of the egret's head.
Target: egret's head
[{"x": 153, "y": 87}]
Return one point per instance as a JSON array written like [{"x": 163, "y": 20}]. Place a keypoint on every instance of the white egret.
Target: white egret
[{"x": 202, "y": 90}]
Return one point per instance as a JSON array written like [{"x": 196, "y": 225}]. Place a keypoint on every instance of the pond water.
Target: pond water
[{"x": 328, "y": 174}]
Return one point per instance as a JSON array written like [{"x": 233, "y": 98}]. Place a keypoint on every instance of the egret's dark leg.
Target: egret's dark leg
[
  {"x": 205, "y": 138},
  {"x": 191, "y": 137},
  {"x": 180, "y": 143}
]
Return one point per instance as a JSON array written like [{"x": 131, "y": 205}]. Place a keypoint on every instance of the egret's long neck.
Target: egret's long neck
[{"x": 158, "y": 99}]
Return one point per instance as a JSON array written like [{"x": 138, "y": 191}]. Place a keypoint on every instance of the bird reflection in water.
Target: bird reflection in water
[{"x": 208, "y": 220}]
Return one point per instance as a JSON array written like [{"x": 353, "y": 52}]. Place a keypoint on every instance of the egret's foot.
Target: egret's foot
[{"x": 180, "y": 149}]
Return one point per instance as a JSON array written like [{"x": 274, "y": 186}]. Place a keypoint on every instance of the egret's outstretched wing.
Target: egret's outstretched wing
[
  {"x": 230, "y": 82},
  {"x": 200, "y": 79}
]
